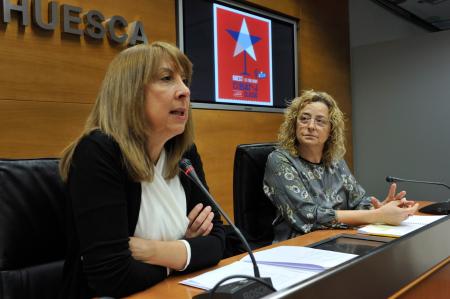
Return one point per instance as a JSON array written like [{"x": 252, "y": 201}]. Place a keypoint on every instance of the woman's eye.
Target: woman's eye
[
  {"x": 166, "y": 78},
  {"x": 186, "y": 82}
]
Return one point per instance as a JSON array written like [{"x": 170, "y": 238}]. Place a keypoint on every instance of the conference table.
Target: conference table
[{"x": 432, "y": 283}]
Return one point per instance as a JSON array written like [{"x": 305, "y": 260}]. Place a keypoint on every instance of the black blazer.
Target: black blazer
[{"x": 102, "y": 212}]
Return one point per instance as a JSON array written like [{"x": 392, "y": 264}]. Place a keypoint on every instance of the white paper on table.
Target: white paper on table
[
  {"x": 300, "y": 257},
  {"x": 407, "y": 226},
  {"x": 281, "y": 277},
  {"x": 424, "y": 220}
]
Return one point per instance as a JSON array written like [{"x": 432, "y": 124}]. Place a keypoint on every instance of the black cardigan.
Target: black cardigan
[{"x": 102, "y": 212}]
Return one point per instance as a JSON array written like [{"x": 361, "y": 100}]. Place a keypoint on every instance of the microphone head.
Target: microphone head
[
  {"x": 184, "y": 164},
  {"x": 390, "y": 179}
]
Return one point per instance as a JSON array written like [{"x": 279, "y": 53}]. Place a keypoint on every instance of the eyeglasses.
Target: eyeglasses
[{"x": 320, "y": 122}]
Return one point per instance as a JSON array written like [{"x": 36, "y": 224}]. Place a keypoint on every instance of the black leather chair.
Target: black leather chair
[
  {"x": 32, "y": 221},
  {"x": 253, "y": 211}
]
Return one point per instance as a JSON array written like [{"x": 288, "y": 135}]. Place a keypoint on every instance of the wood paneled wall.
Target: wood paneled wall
[{"x": 48, "y": 82}]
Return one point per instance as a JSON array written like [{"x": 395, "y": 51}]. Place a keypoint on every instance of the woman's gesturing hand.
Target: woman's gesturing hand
[
  {"x": 200, "y": 221},
  {"x": 392, "y": 196},
  {"x": 395, "y": 211}
]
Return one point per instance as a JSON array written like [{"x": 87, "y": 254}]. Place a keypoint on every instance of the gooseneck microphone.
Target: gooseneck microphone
[
  {"x": 392, "y": 179},
  {"x": 439, "y": 208},
  {"x": 240, "y": 289}
]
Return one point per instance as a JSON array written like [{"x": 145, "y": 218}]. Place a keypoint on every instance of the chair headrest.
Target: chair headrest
[
  {"x": 32, "y": 211},
  {"x": 253, "y": 211}
]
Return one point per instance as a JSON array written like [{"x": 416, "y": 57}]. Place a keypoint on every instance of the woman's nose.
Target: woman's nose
[
  {"x": 312, "y": 124},
  {"x": 183, "y": 89}
]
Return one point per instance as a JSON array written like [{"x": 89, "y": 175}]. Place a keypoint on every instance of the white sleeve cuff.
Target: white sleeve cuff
[{"x": 188, "y": 254}]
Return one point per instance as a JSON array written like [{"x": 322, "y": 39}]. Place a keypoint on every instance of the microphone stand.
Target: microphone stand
[
  {"x": 438, "y": 208},
  {"x": 251, "y": 287}
]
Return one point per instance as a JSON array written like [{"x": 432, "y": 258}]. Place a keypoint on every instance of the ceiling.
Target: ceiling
[{"x": 432, "y": 14}]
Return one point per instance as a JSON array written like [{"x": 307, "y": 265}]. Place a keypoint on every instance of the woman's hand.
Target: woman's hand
[
  {"x": 395, "y": 211},
  {"x": 171, "y": 254},
  {"x": 200, "y": 221},
  {"x": 391, "y": 197},
  {"x": 141, "y": 249}
]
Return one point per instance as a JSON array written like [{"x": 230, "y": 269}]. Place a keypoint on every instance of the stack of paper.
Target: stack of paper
[
  {"x": 409, "y": 225},
  {"x": 281, "y": 277},
  {"x": 285, "y": 265},
  {"x": 300, "y": 257}
]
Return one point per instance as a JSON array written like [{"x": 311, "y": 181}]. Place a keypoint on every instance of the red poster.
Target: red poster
[{"x": 243, "y": 57}]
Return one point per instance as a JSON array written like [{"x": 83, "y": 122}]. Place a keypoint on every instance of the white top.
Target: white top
[{"x": 162, "y": 215}]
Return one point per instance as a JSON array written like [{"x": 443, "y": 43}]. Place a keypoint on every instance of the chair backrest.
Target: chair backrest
[
  {"x": 253, "y": 211},
  {"x": 32, "y": 221}
]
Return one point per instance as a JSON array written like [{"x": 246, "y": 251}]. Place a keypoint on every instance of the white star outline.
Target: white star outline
[{"x": 244, "y": 42}]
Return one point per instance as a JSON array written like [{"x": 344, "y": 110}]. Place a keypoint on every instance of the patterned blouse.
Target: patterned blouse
[{"x": 307, "y": 194}]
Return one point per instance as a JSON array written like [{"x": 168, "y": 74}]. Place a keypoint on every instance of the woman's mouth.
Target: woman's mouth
[{"x": 178, "y": 112}]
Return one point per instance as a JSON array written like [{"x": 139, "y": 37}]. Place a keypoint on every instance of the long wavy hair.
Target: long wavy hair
[
  {"x": 119, "y": 109},
  {"x": 334, "y": 148}
]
